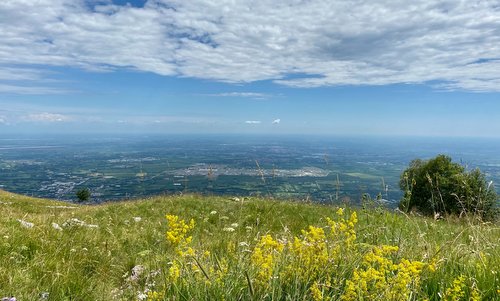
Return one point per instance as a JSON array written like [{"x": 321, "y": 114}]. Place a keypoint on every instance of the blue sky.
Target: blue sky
[{"x": 286, "y": 67}]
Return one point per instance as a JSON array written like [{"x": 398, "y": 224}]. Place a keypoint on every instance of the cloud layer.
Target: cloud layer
[{"x": 453, "y": 44}]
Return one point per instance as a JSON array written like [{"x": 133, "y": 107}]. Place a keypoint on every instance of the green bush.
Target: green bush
[
  {"x": 83, "y": 194},
  {"x": 441, "y": 186}
]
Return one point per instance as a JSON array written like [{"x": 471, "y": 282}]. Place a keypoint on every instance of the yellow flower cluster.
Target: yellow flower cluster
[
  {"x": 379, "y": 278},
  {"x": 326, "y": 263},
  {"x": 174, "y": 272},
  {"x": 264, "y": 257},
  {"x": 155, "y": 296},
  {"x": 343, "y": 229},
  {"x": 220, "y": 270},
  {"x": 309, "y": 254},
  {"x": 177, "y": 234},
  {"x": 316, "y": 293},
  {"x": 457, "y": 291}
]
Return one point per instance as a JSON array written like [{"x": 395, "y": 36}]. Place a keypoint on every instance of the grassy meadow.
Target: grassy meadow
[{"x": 214, "y": 248}]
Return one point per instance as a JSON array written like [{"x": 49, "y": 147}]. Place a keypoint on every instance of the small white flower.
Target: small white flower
[
  {"x": 137, "y": 271},
  {"x": 85, "y": 249},
  {"x": 234, "y": 225},
  {"x": 283, "y": 241},
  {"x": 26, "y": 224},
  {"x": 72, "y": 250},
  {"x": 213, "y": 212},
  {"x": 137, "y": 219},
  {"x": 224, "y": 218},
  {"x": 73, "y": 222},
  {"x": 228, "y": 229},
  {"x": 141, "y": 296},
  {"x": 56, "y": 226}
]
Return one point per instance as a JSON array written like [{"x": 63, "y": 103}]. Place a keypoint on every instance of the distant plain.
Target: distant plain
[{"x": 317, "y": 168}]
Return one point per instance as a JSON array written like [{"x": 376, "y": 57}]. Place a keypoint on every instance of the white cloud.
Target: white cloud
[
  {"x": 276, "y": 121},
  {"x": 11, "y": 74},
  {"x": 252, "y": 122},
  {"x": 293, "y": 42},
  {"x": 45, "y": 117},
  {"x": 31, "y": 90},
  {"x": 165, "y": 119},
  {"x": 254, "y": 95}
]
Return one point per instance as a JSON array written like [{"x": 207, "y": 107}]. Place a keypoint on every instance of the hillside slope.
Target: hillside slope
[{"x": 52, "y": 250}]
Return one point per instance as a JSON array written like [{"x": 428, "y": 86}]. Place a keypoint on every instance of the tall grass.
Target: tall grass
[{"x": 234, "y": 242}]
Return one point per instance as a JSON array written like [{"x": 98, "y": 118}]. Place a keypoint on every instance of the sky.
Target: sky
[{"x": 419, "y": 68}]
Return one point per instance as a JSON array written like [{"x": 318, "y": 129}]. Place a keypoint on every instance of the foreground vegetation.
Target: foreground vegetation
[{"x": 212, "y": 248}]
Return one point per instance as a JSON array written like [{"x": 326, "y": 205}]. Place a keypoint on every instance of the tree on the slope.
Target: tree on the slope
[
  {"x": 441, "y": 186},
  {"x": 83, "y": 194}
]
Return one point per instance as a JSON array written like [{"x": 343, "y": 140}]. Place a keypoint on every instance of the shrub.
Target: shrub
[
  {"x": 441, "y": 186},
  {"x": 83, "y": 194}
]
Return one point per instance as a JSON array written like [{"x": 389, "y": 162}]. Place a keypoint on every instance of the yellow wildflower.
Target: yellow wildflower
[
  {"x": 264, "y": 255},
  {"x": 310, "y": 252},
  {"x": 316, "y": 293},
  {"x": 475, "y": 296},
  {"x": 382, "y": 279},
  {"x": 456, "y": 292},
  {"x": 174, "y": 272},
  {"x": 155, "y": 296},
  {"x": 340, "y": 212},
  {"x": 177, "y": 235}
]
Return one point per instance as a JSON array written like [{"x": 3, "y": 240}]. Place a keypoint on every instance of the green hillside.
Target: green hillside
[{"x": 239, "y": 249}]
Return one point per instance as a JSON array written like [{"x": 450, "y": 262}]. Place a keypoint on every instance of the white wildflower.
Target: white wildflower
[
  {"x": 224, "y": 218},
  {"x": 137, "y": 219},
  {"x": 26, "y": 224},
  {"x": 44, "y": 295},
  {"x": 213, "y": 212},
  {"x": 137, "y": 271},
  {"x": 56, "y": 226},
  {"x": 228, "y": 229},
  {"x": 283, "y": 241},
  {"x": 74, "y": 222},
  {"x": 234, "y": 225},
  {"x": 141, "y": 296}
]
